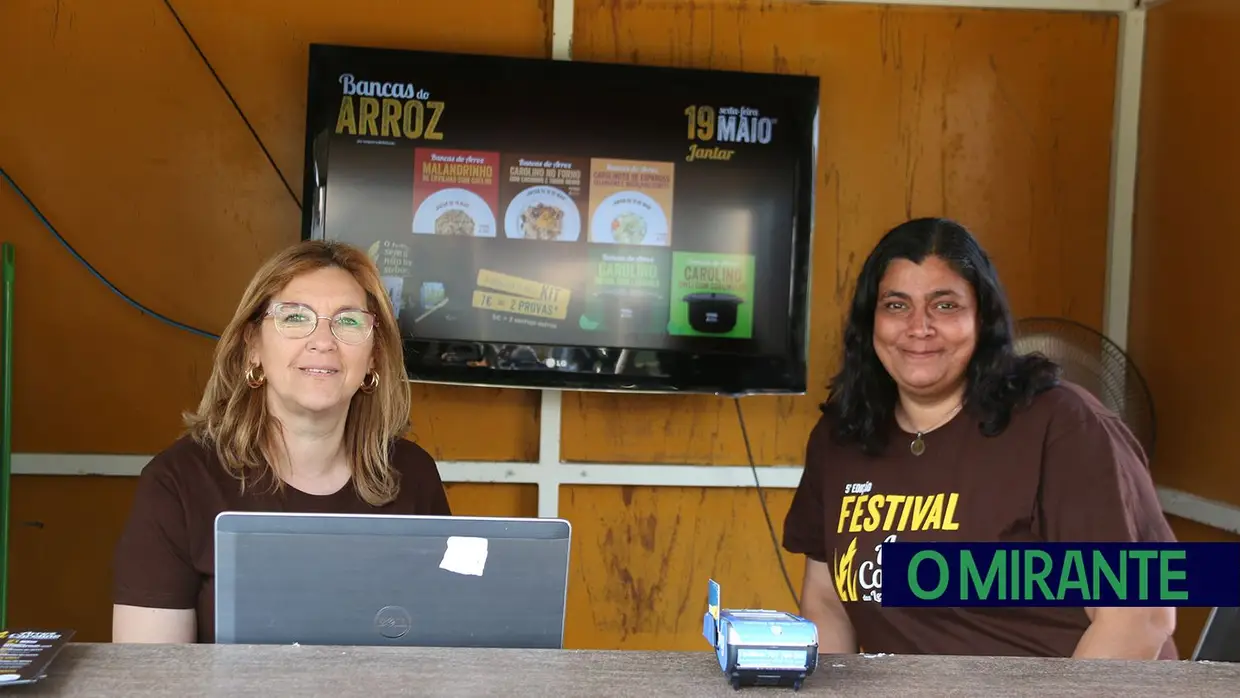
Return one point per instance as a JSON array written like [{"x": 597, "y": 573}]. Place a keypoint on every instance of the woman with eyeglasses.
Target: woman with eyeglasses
[{"x": 306, "y": 410}]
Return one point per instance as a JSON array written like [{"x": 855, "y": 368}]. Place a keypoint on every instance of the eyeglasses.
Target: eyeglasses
[{"x": 298, "y": 321}]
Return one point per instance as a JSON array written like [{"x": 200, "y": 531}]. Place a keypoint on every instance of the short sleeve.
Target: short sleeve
[
  {"x": 1096, "y": 485},
  {"x": 804, "y": 525},
  {"x": 152, "y": 563},
  {"x": 420, "y": 476},
  {"x": 438, "y": 497}
]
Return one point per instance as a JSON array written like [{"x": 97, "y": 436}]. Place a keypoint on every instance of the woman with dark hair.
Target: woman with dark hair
[{"x": 935, "y": 429}]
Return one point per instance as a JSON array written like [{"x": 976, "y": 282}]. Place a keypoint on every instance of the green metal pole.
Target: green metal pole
[{"x": 6, "y": 446}]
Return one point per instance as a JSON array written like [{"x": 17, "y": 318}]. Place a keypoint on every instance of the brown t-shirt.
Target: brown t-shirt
[
  {"x": 166, "y": 554},
  {"x": 1065, "y": 469}
]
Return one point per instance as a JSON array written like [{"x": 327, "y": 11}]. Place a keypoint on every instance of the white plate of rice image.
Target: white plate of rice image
[
  {"x": 543, "y": 213},
  {"x": 454, "y": 213},
  {"x": 630, "y": 218}
]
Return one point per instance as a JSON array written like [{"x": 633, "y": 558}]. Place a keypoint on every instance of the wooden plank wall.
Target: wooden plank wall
[
  {"x": 999, "y": 118},
  {"x": 119, "y": 133},
  {"x": 1185, "y": 245}
]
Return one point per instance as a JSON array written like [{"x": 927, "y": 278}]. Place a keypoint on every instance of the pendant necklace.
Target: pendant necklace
[{"x": 917, "y": 445}]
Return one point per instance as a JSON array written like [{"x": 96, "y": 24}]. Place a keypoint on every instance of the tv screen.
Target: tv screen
[{"x": 572, "y": 225}]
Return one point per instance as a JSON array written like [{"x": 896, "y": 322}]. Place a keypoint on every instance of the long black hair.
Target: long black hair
[{"x": 863, "y": 395}]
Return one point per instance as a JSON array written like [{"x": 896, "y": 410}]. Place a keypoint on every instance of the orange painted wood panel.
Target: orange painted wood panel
[
  {"x": 641, "y": 557},
  {"x": 120, "y": 134},
  {"x": 492, "y": 499},
  {"x": 999, "y": 119},
  {"x": 64, "y": 530},
  {"x": 1183, "y": 323}
]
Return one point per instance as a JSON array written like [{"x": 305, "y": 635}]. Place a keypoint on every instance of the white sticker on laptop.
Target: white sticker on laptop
[{"x": 465, "y": 555}]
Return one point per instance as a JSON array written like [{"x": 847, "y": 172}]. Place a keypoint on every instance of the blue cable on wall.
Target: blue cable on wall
[
  {"x": 111, "y": 286},
  {"x": 95, "y": 272},
  {"x": 292, "y": 194}
]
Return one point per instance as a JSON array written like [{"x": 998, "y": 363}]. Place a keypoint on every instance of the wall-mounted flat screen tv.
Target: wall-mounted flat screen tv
[{"x": 573, "y": 225}]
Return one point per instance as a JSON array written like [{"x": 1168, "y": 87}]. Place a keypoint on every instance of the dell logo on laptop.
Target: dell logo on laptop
[{"x": 393, "y": 621}]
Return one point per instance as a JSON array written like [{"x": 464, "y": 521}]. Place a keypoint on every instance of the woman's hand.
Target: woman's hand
[
  {"x": 820, "y": 603},
  {"x": 138, "y": 624},
  {"x": 1125, "y": 633}
]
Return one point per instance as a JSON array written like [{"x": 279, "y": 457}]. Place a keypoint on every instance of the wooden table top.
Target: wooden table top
[{"x": 239, "y": 671}]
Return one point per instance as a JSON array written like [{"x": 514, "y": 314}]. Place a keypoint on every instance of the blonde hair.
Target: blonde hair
[{"x": 232, "y": 417}]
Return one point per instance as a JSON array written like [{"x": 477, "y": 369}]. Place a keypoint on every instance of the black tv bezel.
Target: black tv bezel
[{"x": 719, "y": 374}]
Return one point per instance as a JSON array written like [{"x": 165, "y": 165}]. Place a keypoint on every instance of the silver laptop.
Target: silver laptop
[
  {"x": 1220, "y": 638},
  {"x": 342, "y": 579}
]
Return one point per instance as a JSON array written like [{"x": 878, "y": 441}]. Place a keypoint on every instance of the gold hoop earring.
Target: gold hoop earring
[
  {"x": 255, "y": 381},
  {"x": 368, "y": 387}
]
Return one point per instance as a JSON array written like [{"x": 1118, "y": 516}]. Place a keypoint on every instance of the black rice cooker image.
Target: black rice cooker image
[
  {"x": 628, "y": 308},
  {"x": 712, "y": 312}
]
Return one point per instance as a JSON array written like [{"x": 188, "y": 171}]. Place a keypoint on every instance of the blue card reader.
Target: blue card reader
[{"x": 759, "y": 647}]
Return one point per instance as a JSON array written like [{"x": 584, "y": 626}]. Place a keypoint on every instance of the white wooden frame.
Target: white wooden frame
[{"x": 550, "y": 472}]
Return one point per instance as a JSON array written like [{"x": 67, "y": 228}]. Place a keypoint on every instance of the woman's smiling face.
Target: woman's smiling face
[
  {"x": 317, "y": 373},
  {"x": 925, "y": 326}
]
